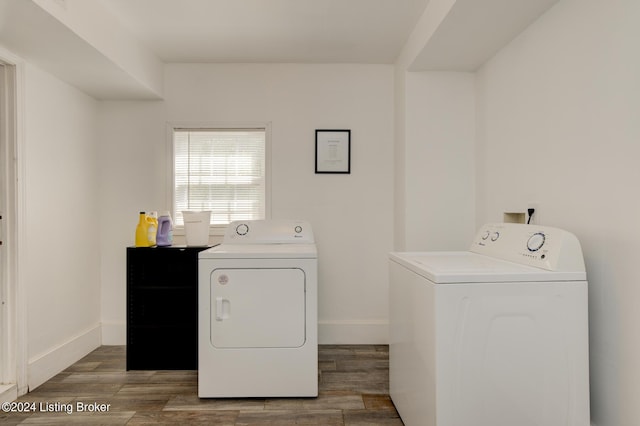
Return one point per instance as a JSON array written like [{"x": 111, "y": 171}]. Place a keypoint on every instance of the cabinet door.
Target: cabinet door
[
  {"x": 162, "y": 267},
  {"x": 257, "y": 308},
  {"x": 162, "y": 308},
  {"x": 162, "y": 348}
]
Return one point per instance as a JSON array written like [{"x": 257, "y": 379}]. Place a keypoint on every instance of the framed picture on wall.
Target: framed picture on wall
[{"x": 333, "y": 151}]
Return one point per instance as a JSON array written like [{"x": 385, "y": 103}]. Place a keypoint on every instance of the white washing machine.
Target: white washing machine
[
  {"x": 497, "y": 336},
  {"x": 257, "y": 312}
]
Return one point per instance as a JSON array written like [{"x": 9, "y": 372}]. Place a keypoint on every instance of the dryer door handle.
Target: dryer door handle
[{"x": 223, "y": 308}]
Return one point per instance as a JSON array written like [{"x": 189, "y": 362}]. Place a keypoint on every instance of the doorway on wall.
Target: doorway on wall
[{"x": 8, "y": 209}]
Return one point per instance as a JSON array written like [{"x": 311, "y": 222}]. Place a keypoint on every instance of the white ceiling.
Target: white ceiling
[
  {"x": 301, "y": 31},
  {"x": 115, "y": 49}
]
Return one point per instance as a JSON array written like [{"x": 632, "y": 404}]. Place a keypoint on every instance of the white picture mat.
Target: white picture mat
[{"x": 332, "y": 151}]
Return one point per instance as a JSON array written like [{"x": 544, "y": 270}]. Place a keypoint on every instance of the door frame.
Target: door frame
[{"x": 13, "y": 324}]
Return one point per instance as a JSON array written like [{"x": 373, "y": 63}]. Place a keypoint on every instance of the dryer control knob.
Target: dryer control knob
[
  {"x": 536, "y": 241},
  {"x": 242, "y": 229},
  {"x": 298, "y": 229}
]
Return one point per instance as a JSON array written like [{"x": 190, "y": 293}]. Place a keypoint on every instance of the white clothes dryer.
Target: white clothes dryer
[
  {"x": 257, "y": 312},
  {"x": 496, "y": 336}
]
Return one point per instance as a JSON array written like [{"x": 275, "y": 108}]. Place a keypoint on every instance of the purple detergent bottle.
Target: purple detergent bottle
[{"x": 164, "y": 237}]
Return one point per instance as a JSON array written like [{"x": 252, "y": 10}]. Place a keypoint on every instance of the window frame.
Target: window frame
[{"x": 215, "y": 230}]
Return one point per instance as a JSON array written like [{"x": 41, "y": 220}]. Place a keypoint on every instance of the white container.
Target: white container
[{"x": 196, "y": 227}]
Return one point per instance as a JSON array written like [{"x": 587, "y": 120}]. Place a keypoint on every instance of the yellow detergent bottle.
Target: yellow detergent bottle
[
  {"x": 143, "y": 231},
  {"x": 153, "y": 228}
]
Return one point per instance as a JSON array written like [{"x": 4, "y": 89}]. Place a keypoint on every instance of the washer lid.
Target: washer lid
[
  {"x": 260, "y": 251},
  {"x": 467, "y": 267}
]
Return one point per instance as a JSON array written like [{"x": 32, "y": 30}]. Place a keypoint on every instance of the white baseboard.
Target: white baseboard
[
  {"x": 8, "y": 393},
  {"x": 114, "y": 333},
  {"x": 353, "y": 332},
  {"x": 46, "y": 365}
]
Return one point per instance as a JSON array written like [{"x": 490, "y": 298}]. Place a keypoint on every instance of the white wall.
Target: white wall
[
  {"x": 439, "y": 161},
  {"x": 399, "y": 161},
  {"x": 351, "y": 215},
  {"x": 60, "y": 225},
  {"x": 558, "y": 124},
  {"x": 132, "y": 168},
  {"x": 434, "y": 172}
]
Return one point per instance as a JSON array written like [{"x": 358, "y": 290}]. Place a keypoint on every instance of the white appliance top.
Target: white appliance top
[
  {"x": 262, "y": 239},
  {"x": 504, "y": 252}
]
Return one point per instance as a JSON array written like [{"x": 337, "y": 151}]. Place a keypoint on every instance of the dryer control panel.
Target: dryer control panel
[
  {"x": 269, "y": 232},
  {"x": 541, "y": 246}
]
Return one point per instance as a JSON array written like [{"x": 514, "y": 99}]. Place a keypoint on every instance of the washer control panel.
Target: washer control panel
[
  {"x": 269, "y": 232},
  {"x": 541, "y": 246}
]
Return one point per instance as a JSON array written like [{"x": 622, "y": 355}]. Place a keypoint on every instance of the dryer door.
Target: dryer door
[{"x": 257, "y": 308}]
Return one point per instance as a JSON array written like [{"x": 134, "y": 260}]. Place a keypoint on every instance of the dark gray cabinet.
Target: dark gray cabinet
[{"x": 162, "y": 308}]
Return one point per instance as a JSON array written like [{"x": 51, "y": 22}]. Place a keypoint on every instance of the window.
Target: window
[{"x": 222, "y": 170}]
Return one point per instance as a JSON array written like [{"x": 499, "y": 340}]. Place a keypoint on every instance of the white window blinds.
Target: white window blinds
[{"x": 220, "y": 170}]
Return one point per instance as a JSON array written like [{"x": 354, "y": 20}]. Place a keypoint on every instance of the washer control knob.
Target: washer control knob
[
  {"x": 298, "y": 229},
  {"x": 242, "y": 229},
  {"x": 536, "y": 241},
  {"x": 495, "y": 236},
  {"x": 485, "y": 235}
]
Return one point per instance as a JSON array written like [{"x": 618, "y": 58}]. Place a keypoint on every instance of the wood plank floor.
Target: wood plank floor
[{"x": 353, "y": 390}]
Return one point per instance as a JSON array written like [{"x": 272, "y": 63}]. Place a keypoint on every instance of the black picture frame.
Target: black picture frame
[{"x": 333, "y": 151}]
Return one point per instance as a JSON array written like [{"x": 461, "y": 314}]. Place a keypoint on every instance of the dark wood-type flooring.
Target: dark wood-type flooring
[{"x": 353, "y": 390}]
